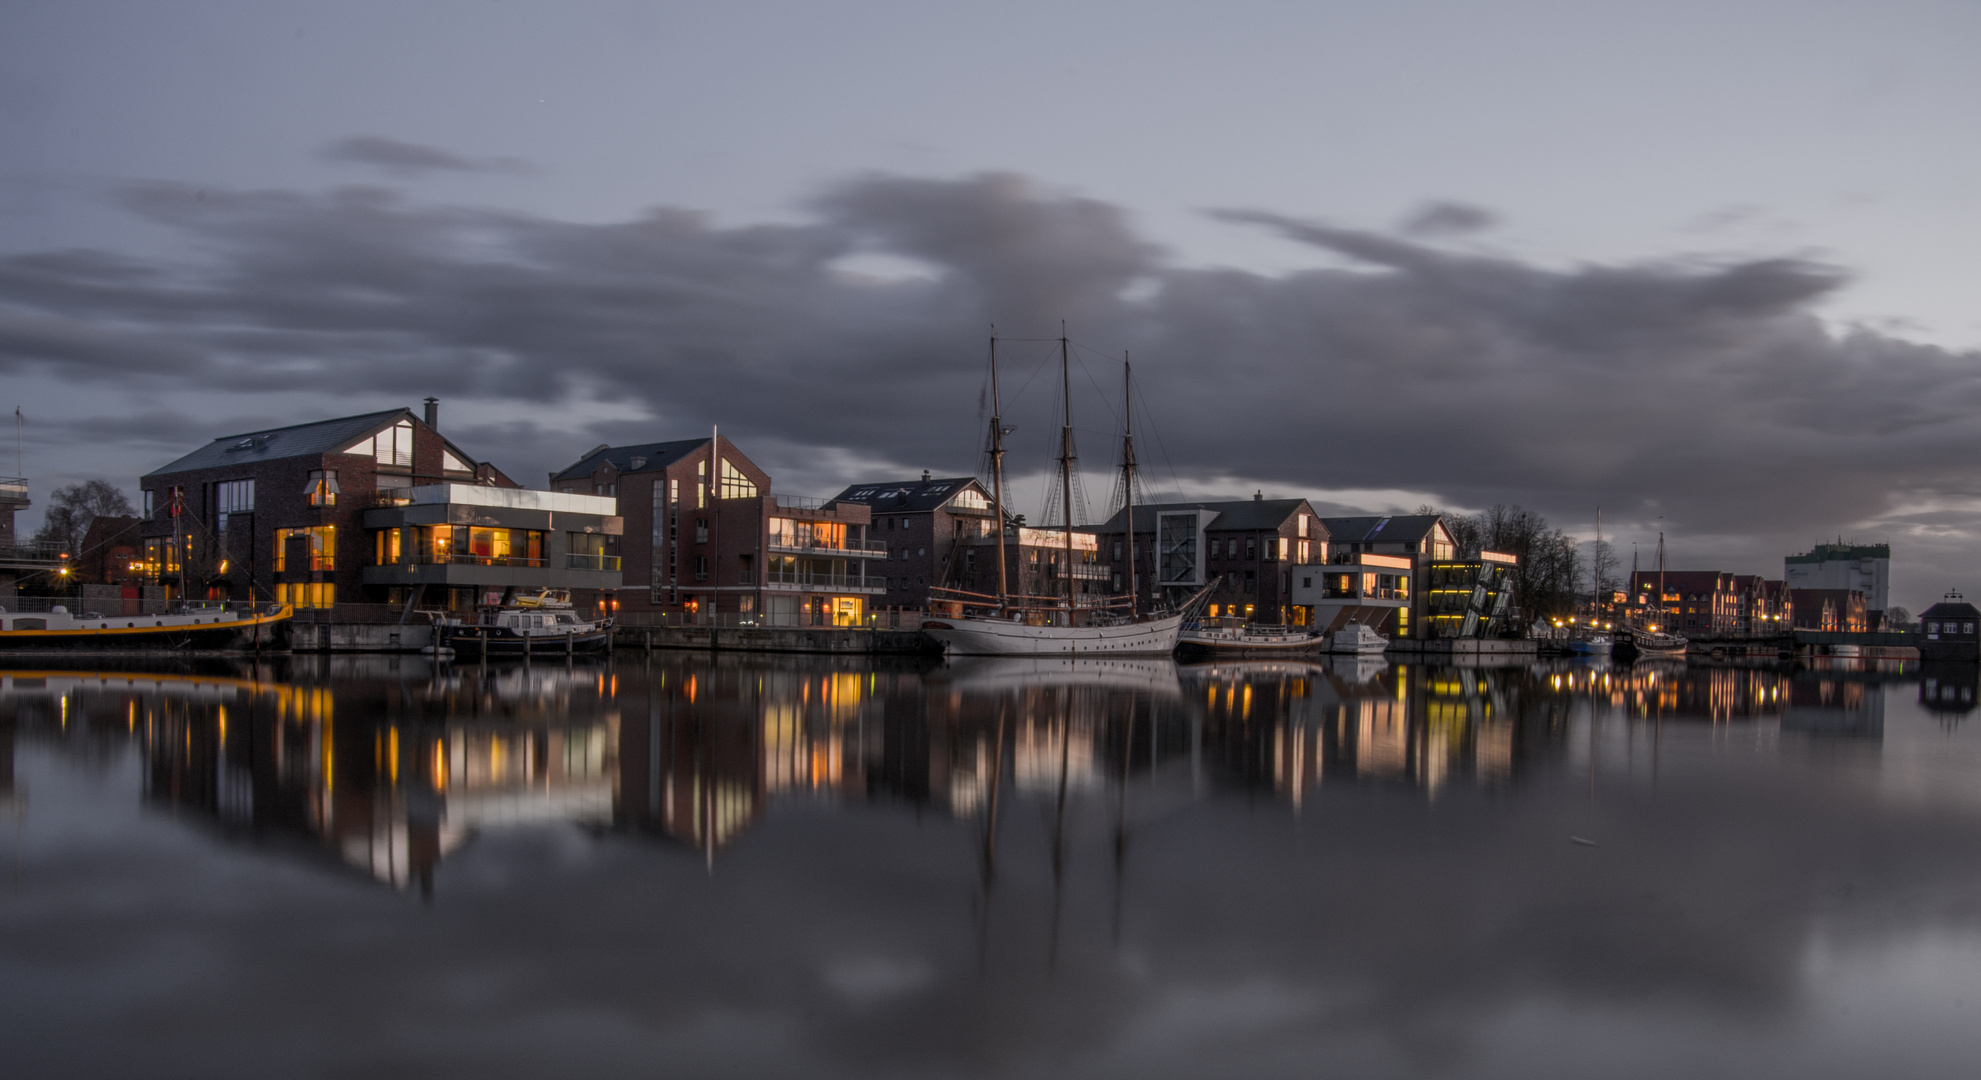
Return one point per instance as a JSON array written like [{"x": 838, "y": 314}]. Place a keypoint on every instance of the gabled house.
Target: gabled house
[
  {"x": 941, "y": 532},
  {"x": 277, "y": 513},
  {"x": 707, "y": 540}
]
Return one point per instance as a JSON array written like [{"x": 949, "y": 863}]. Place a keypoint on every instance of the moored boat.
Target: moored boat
[
  {"x": 975, "y": 624},
  {"x": 544, "y": 625},
  {"x": 1357, "y": 639},
  {"x": 195, "y": 629},
  {"x": 1235, "y": 637}
]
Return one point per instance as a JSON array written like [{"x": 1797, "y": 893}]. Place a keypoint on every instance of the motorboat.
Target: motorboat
[
  {"x": 1357, "y": 639},
  {"x": 546, "y": 626}
]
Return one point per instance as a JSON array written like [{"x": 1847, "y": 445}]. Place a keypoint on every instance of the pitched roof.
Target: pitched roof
[
  {"x": 296, "y": 440},
  {"x": 1953, "y": 607},
  {"x": 1375, "y": 530},
  {"x": 1231, "y": 514},
  {"x": 657, "y": 456},
  {"x": 909, "y": 496}
]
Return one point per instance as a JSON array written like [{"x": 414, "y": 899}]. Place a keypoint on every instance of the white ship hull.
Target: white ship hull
[{"x": 965, "y": 636}]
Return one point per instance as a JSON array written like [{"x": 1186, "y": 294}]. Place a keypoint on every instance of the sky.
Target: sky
[{"x": 1705, "y": 266}]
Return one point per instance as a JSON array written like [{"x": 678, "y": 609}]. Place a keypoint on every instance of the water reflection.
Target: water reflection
[
  {"x": 393, "y": 763},
  {"x": 1016, "y": 867}
]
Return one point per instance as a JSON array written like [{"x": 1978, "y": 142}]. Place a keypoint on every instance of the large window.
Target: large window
[
  {"x": 385, "y": 547},
  {"x": 234, "y": 497},
  {"x": 306, "y": 594},
  {"x": 590, "y": 551},
  {"x": 391, "y": 447},
  {"x": 322, "y": 549},
  {"x": 970, "y": 499},
  {"x": 791, "y": 533},
  {"x": 735, "y": 485},
  {"x": 442, "y": 544}
]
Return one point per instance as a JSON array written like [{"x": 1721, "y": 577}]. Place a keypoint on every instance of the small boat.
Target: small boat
[
  {"x": 1593, "y": 645},
  {"x": 1357, "y": 639},
  {"x": 194, "y": 628},
  {"x": 1235, "y": 637},
  {"x": 542, "y": 628}
]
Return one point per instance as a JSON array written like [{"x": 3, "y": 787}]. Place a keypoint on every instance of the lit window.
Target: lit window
[
  {"x": 970, "y": 499},
  {"x": 735, "y": 485},
  {"x": 322, "y": 488}
]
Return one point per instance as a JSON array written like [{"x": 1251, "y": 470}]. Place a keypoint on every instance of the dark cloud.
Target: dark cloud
[
  {"x": 408, "y": 159},
  {"x": 1707, "y": 394},
  {"x": 1448, "y": 219}
]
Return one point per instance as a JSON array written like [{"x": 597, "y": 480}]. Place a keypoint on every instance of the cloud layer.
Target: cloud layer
[{"x": 1708, "y": 398}]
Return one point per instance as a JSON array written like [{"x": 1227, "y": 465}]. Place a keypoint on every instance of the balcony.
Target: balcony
[
  {"x": 30, "y": 556},
  {"x": 13, "y": 492},
  {"x": 591, "y": 562},
  {"x": 463, "y": 558},
  {"x": 816, "y": 582},
  {"x": 870, "y": 549}
]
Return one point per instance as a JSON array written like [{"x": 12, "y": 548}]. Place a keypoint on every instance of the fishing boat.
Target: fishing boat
[
  {"x": 975, "y": 624},
  {"x": 1236, "y": 637},
  {"x": 192, "y": 629},
  {"x": 541, "y": 623},
  {"x": 1357, "y": 639}
]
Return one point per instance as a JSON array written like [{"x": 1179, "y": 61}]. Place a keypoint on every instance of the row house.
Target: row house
[
  {"x": 707, "y": 539},
  {"x": 1711, "y": 603},
  {"x": 1835, "y": 610},
  {"x": 375, "y": 508},
  {"x": 1248, "y": 547}
]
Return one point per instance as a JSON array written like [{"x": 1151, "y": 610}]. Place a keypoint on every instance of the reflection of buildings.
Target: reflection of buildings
[
  {"x": 1948, "y": 690},
  {"x": 387, "y": 776},
  {"x": 1291, "y": 730}
]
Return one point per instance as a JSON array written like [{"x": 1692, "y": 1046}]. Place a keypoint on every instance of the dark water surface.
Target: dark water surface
[{"x": 782, "y": 866}]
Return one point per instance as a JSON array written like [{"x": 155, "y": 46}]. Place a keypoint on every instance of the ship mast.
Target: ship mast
[
  {"x": 997, "y": 473},
  {"x": 1066, "y": 463},
  {"x": 1596, "y": 568},
  {"x": 1128, "y": 477},
  {"x": 1661, "y": 580}
]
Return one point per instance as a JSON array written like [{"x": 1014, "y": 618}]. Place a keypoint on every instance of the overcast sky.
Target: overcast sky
[{"x": 1708, "y": 266}]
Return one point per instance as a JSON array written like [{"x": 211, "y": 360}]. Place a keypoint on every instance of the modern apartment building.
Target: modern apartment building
[
  {"x": 706, "y": 538},
  {"x": 1248, "y": 547}
]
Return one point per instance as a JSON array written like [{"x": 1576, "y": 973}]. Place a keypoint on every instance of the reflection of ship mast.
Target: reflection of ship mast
[
  {"x": 1059, "y": 823},
  {"x": 990, "y": 842},
  {"x": 1121, "y": 814}
]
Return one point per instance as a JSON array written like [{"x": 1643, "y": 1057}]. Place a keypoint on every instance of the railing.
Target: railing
[
  {"x": 13, "y": 489},
  {"x": 462, "y": 558},
  {"x": 799, "y": 502},
  {"x": 31, "y": 553},
  {"x": 574, "y": 561},
  {"x": 812, "y": 580},
  {"x": 849, "y": 547}
]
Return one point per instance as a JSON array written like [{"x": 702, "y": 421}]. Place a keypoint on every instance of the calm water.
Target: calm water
[{"x": 749, "y": 866}]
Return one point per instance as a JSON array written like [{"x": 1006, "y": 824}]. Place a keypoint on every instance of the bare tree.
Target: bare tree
[{"x": 73, "y": 507}]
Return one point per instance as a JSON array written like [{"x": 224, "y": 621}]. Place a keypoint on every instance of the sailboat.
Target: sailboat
[
  {"x": 1652, "y": 639},
  {"x": 974, "y": 624}
]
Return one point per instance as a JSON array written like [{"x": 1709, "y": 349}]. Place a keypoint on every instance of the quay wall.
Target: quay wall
[{"x": 811, "y": 639}]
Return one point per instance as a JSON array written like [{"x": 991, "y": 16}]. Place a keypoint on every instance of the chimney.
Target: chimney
[
  {"x": 433, "y": 413},
  {"x": 925, "y": 476}
]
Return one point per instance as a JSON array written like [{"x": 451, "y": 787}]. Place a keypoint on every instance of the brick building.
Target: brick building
[
  {"x": 1248, "y": 546},
  {"x": 1712, "y": 603},
  {"x": 277, "y": 513},
  {"x": 1830, "y": 609},
  {"x": 940, "y": 532},
  {"x": 705, "y": 538}
]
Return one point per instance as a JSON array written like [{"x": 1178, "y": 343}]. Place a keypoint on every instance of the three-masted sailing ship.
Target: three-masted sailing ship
[{"x": 1008, "y": 624}]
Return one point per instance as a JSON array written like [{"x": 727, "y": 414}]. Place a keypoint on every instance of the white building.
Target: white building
[{"x": 1864, "y": 567}]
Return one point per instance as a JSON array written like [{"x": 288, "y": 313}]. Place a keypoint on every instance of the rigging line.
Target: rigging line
[
  {"x": 1097, "y": 389},
  {"x": 1176, "y": 489}
]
